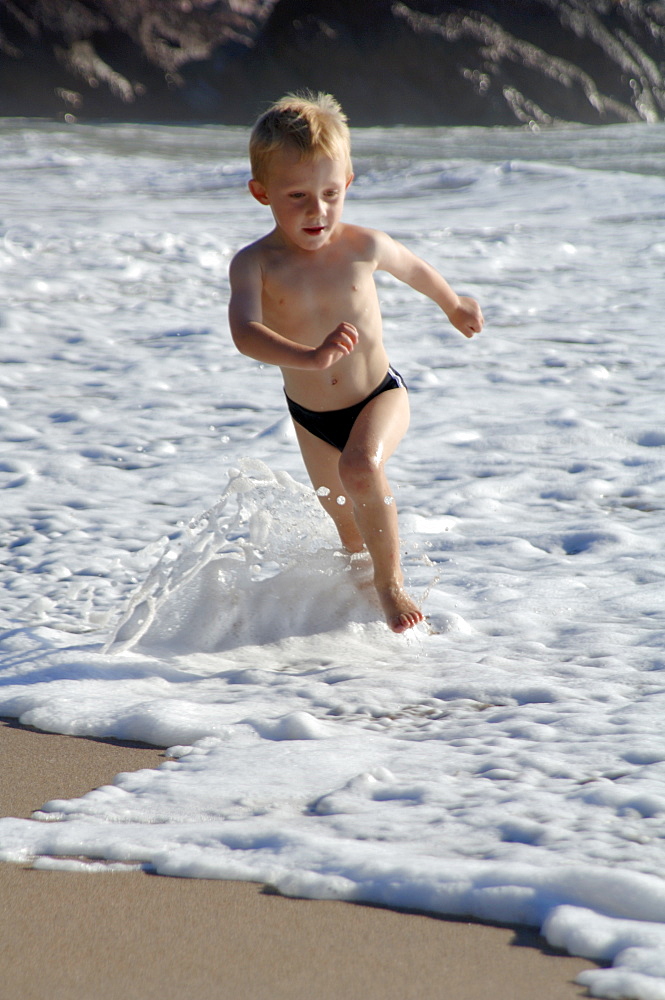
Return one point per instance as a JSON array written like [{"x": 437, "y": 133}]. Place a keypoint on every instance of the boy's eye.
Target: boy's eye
[{"x": 332, "y": 193}]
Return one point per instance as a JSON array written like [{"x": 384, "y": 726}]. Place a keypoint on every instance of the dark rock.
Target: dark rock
[{"x": 415, "y": 62}]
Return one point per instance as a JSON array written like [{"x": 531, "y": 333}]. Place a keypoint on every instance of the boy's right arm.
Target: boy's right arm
[{"x": 253, "y": 338}]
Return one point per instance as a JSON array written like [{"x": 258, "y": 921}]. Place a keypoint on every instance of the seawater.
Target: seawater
[{"x": 169, "y": 575}]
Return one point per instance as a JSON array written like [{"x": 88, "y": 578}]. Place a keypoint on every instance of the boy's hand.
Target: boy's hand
[
  {"x": 337, "y": 345},
  {"x": 467, "y": 317}
]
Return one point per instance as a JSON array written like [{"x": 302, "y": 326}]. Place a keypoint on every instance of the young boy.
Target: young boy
[{"x": 303, "y": 298}]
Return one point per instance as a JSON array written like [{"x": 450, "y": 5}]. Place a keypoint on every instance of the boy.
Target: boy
[{"x": 303, "y": 298}]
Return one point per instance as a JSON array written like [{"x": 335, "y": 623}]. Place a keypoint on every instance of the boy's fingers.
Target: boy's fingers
[
  {"x": 349, "y": 330},
  {"x": 345, "y": 336}
]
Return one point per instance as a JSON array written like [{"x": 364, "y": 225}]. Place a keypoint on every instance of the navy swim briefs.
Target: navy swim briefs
[{"x": 334, "y": 426}]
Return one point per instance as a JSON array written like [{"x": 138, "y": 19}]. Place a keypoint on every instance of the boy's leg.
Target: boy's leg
[
  {"x": 322, "y": 464},
  {"x": 368, "y": 517},
  {"x": 376, "y": 433}
]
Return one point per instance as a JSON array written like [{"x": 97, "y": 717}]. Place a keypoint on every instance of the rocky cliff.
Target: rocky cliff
[{"x": 416, "y": 62}]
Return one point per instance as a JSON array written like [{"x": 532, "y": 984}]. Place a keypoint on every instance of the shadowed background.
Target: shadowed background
[{"x": 423, "y": 62}]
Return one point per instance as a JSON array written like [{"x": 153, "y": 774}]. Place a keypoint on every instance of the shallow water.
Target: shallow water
[{"x": 170, "y": 577}]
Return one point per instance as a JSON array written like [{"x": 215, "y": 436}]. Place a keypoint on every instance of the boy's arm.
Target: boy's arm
[
  {"x": 253, "y": 338},
  {"x": 463, "y": 312}
]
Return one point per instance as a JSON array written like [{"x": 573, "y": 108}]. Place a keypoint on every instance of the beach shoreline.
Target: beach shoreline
[{"x": 76, "y": 935}]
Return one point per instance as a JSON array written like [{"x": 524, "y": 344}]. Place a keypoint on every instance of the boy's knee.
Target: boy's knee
[{"x": 358, "y": 470}]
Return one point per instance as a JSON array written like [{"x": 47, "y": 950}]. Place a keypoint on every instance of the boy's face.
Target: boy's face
[{"x": 306, "y": 197}]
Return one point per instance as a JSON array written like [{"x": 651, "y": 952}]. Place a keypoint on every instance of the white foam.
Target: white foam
[{"x": 169, "y": 577}]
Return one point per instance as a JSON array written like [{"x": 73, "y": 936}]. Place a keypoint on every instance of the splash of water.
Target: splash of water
[{"x": 259, "y": 565}]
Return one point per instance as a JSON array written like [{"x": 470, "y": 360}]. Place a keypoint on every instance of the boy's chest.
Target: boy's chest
[{"x": 316, "y": 286}]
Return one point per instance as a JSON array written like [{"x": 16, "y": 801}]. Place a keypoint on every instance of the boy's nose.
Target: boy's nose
[{"x": 316, "y": 206}]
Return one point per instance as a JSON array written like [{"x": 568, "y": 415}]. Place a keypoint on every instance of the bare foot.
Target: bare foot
[{"x": 401, "y": 611}]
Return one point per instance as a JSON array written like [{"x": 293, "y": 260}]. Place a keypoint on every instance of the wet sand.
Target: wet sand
[{"x": 136, "y": 936}]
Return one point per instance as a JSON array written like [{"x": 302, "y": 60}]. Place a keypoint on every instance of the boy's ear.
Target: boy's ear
[
  {"x": 348, "y": 183},
  {"x": 258, "y": 191}
]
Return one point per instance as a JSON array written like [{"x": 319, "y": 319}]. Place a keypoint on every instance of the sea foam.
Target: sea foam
[{"x": 503, "y": 761}]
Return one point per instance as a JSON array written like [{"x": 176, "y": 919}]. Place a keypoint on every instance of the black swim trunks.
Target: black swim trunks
[{"x": 334, "y": 426}]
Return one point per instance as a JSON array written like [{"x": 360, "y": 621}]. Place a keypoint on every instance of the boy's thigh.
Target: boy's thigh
[
  {"x": 322, "y": 464},
  {"x": 380, "y": 425},
  {"x": 320, "y": 458}
]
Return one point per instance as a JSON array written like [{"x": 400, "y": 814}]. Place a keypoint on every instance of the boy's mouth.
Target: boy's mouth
[{"x": 314, "y": 230}]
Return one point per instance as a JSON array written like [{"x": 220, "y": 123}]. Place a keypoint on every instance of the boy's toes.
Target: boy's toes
[
  {"x": 405, "y": 621},
  {"x": 401, "y": 612},
  {"x": 400, "y": 623}
]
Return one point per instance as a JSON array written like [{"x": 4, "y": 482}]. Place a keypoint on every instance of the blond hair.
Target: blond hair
[{"x": 313, "y": 124}]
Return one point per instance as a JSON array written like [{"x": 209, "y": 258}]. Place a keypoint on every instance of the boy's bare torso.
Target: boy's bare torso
[{"x": 306, "y": 295}]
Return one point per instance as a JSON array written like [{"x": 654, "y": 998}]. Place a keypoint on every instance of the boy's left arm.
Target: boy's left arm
[{"x": 463, "y": 312}]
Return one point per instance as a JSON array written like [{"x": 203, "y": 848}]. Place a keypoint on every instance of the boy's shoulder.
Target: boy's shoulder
[
  {"x": 358, "y": 242},
  {"x": 248, "y": 261},
  {"x": 362, "y": 233},
  {"x": 366, "y": 241},
  {"x": 252, "y": 250}
]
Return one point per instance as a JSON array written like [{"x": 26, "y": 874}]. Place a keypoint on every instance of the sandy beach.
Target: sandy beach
[{"x": 134, "y": 936}]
